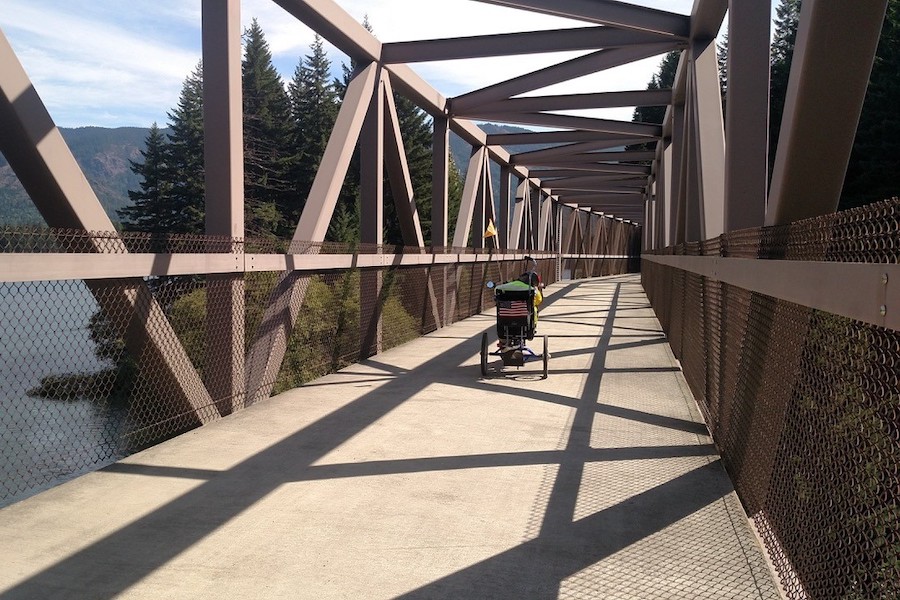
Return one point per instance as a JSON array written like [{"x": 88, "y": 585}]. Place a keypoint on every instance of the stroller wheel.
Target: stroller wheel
[
  {"x": 484, "y": 354},
  {"x": 546, "y": 356}
]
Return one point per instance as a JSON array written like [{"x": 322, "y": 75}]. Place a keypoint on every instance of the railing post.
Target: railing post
[
  {"x": 372, "y": 219},
  {"x": 224, "y": 197}
]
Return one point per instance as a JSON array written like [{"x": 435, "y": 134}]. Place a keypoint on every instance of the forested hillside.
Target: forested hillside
[{"x": 103, "y": 155}]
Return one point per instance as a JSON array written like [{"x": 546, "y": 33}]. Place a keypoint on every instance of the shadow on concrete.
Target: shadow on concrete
[{"x": 533, "y": 569}]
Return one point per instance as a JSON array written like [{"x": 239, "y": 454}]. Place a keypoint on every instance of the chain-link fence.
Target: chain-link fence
[
  {"x": 93, "y": 370},
  {"x": 804, "y": 405}
]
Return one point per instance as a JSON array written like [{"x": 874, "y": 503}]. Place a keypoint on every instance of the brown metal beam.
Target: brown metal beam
[
  {"x": 593, "y": 197},
  {"x": 707, "y": 17},
  {"x": 627, "y": 128},
  {"x": 829, "y": 77},
  {"x": 334, "y": 24},
  {"x": 531, "y": 42},
  {"x": 709, "y": 134},
  {"x": 329, "y": 179},
  {"x": 586, "y": 169},
  {"x": 610, "y": 187},
  {"x": 606, "y": 12},
  {"x": 747, "y": 118},
  {"x": 580, "y": 101},
  {"x": 573, "y": 149},
  {"x": 504, "y": 221},
  {"x": 565, "y": 71},
  {"x": 470, "y": 195},
  {"x": 440, "y": 144},
  {"x": 46, "y": 168},
  {"x": 521, "y": 201},
  {"x": 594, "y": 180},
  {"x": 398, "y": 172},
  {"x": 854, "y": 290},
  {"x": 587, "y": 157},
  {"x": 551, "y": 137},
  {"x": 223, "y": 161},
  {"x": 267, "y": 350}
]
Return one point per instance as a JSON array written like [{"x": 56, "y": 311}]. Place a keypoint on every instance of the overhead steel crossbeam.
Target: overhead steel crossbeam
[
  {"x": 588, "y": 157},
  {"x": 564, "y": 71},
  {"x": 610, "y": 186},
  {"x": 592, "y": 180},
  {"x": 551, "y": 137},
  {"x": 572, "y": 122},
  {"x": 588, "y": 197},
  {"x": 606, "y": 12},
  {"x": 587, "y": 169},
  {"x": 573, "y": 149},
  {"x": 510, "y": 44},
  {"x": 581, "y": 101}
]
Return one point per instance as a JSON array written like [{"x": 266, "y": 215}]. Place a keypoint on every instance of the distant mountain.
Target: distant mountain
[
  {"x": 461, "y": 150},
  {"x": 103, "y": 155}
]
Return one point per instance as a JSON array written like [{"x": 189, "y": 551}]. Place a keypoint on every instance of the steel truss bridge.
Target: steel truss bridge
[{"x": 783, "y": 313}]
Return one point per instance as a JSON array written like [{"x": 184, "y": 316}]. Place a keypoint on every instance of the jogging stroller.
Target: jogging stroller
[{"x": 517, "y": 317}]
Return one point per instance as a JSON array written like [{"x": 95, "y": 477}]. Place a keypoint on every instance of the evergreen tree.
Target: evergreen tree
[
  {"x": 268, "y": 135},
  {"x": 151, "y": 210},
  {"x": 787, "y": 19},
  {"x": 185, "y": 169},
  {"x": 663, "y": 79},
  {"x": 722, "y": 60},
  {"x": 415, "y": 130},
  {"x": 314, "y": 106}
]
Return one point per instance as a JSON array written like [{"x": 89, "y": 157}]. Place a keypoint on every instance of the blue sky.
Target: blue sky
[{"x": 113, "y": 63}]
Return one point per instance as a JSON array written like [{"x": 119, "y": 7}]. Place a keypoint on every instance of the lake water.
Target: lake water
[{"x": 43, "y": 331}]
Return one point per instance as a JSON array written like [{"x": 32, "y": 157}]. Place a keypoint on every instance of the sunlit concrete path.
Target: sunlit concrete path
[{"x": 411, "y": 476}]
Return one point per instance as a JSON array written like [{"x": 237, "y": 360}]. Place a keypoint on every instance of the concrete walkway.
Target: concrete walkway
[{"x": 410, "y": 476}]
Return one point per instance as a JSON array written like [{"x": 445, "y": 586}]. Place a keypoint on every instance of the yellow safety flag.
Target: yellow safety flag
[{"x": 491, "y": 231}]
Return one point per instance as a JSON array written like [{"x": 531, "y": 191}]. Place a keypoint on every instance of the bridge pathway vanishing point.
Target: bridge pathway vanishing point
[{"x": 410, "y": 476}]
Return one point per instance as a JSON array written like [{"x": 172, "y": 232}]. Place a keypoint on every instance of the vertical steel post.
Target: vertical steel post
[
  {"x": 519, "y": 208},
  {"x": 478, "y": 225},
  {"x": 223, "y": 162},
  {"x": 678, "y": 202},
  {"x": 469, "y": 197},
  {"x": 503, "y": 224},
  {"x": 440, "y": 183},
  {"x": 709, "y": 132},
  {"x": 440, "y": 166},
  {"x": 747, "y": 117},
  {"x": 833, "y": 57},
  {"x": 371, "y": 190}
]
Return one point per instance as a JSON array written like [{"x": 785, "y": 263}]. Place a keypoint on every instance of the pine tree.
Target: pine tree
[
  {"x": 268, "y": 134},
  {"x": 663, "y": 79},
  {"x": 151, "y": 210},
  {"x": 185, "y": 170},
  {"x": 722, "y": 61},
  {"x": 314, "y": 106},
  {"x": 415, "y": 130}
]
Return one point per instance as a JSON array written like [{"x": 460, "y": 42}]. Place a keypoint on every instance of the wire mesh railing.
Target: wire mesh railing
[
  {"x": 94, "y": 369},
  {"x": 804, "y": 405}
]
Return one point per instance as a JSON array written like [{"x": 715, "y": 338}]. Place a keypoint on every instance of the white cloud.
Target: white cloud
[
  {"x": 90, "y": 66},
  {"x": 94, "y": 59}
]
